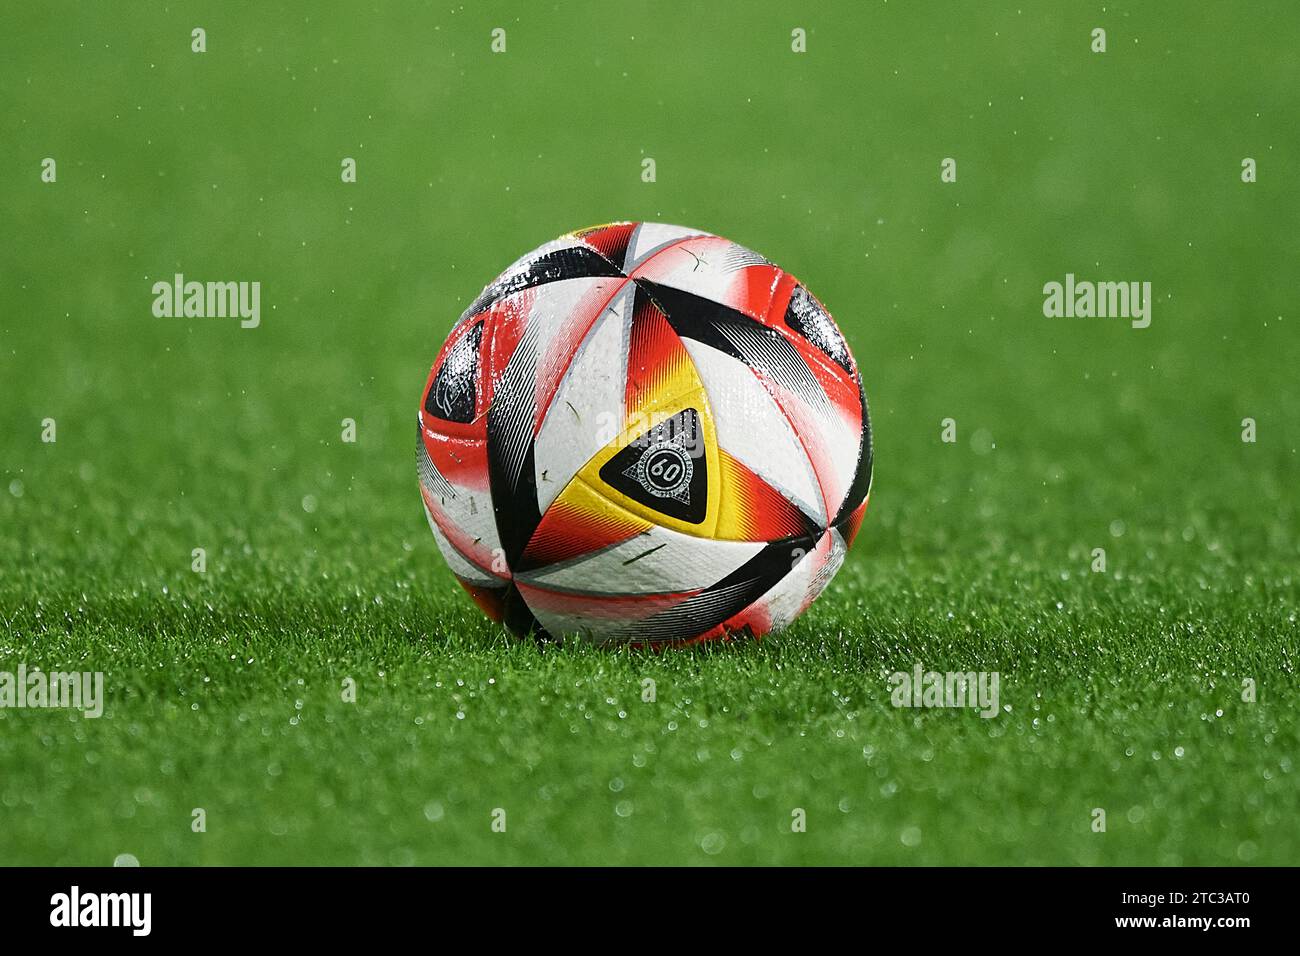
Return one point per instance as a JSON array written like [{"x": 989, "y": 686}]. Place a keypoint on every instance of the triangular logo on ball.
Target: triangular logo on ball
[{"x": 665, "y": 468}]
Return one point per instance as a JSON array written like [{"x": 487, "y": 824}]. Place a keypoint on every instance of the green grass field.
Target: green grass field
[{"x": 1121, "y": 690}]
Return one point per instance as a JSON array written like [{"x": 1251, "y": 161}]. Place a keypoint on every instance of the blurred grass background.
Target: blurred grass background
[{"x": 1072, "y": 433}]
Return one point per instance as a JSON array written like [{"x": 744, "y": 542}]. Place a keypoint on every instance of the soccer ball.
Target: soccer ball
[{"x": 644, "y": 434}]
